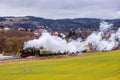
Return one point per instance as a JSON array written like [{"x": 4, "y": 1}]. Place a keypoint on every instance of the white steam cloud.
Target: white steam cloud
[{"x": 97, "y": 41}]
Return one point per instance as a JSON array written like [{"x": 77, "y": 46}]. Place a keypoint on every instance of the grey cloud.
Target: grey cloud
[{"x": 62, "y": 8}]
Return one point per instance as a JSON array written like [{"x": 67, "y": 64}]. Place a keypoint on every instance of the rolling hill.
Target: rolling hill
[{"x": 55, "y": 24}]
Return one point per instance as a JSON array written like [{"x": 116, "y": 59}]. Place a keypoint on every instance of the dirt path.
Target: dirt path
[{"x": 34, "y": 59}]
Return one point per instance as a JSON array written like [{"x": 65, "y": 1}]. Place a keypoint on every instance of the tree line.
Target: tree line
[{"x": 11, "y": 42}]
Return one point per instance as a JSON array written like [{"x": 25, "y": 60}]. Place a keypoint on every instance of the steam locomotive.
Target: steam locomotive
[{"x": 38, "y": 52}]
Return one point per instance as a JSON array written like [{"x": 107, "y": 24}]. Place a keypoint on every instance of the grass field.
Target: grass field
[{"x": 96, "y": 66}]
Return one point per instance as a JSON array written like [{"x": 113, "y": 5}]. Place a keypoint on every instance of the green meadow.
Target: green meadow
[{"x": 91, "y": 66}]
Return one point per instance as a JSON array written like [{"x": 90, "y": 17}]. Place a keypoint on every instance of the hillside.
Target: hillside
[
  {"x": 55, "y": 25},
  {"x": 92, "y": 66}
]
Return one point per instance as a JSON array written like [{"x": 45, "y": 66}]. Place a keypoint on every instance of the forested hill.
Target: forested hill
[{"x": 55, "y": 25}]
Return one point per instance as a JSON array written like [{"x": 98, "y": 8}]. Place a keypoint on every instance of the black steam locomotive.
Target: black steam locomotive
[
  {"x": 39, "y": 53},
  {"x": 27, "y": 53}
]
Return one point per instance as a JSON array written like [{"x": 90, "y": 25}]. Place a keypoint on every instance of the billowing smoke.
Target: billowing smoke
[
  {"x": 54, "y": 43},
  {"x": 97, "y": 41},
  {"x": 105, "y": 27}
]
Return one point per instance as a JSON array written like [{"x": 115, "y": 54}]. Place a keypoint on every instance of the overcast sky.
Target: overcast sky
[{"x": 61, "y": 8}]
